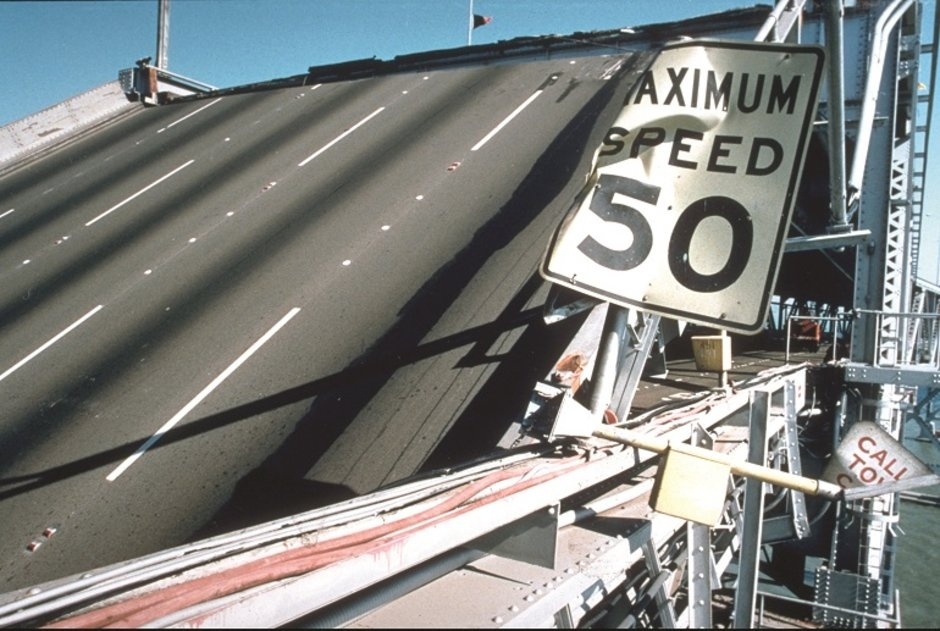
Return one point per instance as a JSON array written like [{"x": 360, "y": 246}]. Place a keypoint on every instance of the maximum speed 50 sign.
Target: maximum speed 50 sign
[{"x": 687, "y": 210}]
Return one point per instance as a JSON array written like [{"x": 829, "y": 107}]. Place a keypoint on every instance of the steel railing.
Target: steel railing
[{"x": 914, "y": 336}]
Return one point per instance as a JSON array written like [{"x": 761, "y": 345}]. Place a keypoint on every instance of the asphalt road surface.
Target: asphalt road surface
[{"x": 220, "y": 311}]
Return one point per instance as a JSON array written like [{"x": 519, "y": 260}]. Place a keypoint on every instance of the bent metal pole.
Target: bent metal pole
[{"x": 776, "y": 477}]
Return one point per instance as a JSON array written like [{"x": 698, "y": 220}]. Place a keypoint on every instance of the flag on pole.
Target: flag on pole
[{"x": 480, "y": 20}]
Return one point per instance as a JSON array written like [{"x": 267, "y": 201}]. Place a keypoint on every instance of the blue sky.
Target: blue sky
[{"x": 52, "y": 50}]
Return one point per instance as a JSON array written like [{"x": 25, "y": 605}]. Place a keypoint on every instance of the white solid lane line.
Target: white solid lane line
[
  {"x": 4, "y": 214},
  {"x": 225, "y": 374},
  {"x": 55, "y": 339},
  {"x": 138, "y": 193},
  {"x": 340, "y": 137},
  {"x": 506, "y": 120},
  {"x": 180, "y": 120}
]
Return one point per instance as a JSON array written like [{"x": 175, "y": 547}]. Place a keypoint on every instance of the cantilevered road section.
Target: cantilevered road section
[{"x": 241, "y": 306}]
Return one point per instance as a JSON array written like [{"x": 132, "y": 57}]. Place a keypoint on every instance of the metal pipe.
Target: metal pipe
[
  {"x": 776, "y": 477},
  {"x": 608, "y": 358},
  {"x": 834, "y": 51},
  {"x": 885, "y": 24},
  {"x": 193, "y": 84},
  {"x": 770, "y": 22},
  {"x": 789, "y": 9},
  {"x": 388, "y": 591},
  {"x": 603, "y": 504}
]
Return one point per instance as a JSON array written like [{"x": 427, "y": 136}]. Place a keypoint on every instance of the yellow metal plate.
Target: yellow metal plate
[{"x": 690, "y": 487}]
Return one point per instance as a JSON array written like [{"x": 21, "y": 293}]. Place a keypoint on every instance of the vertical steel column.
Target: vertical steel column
[
  {"x": 794, "y": 463},
  {"x": 874, "y": 152},
  {"x": 700, "y": 576},
  {"x": 834, "y": 52},
  {"x": 163, "y": 32},
  {"x": 878, "y": 49},
  {"x": 470, "y": 23},
  {"x": 745, "y": 598}
]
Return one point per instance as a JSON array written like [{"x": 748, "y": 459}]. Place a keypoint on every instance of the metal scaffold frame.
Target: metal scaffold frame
[{"x": 533, "y": 508}]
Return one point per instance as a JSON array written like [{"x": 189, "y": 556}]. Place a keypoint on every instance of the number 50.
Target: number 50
[{"x": 737, "y": 217}]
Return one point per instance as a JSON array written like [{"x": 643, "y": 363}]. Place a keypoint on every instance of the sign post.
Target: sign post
[{"x": 688, "y": 207}]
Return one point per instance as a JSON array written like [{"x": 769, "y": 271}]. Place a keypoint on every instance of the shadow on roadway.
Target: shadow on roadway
[
  {"x": 340, "y": 397},
  {"x": 552, "y": 180},
  {"x": 345, "y": 379}
]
